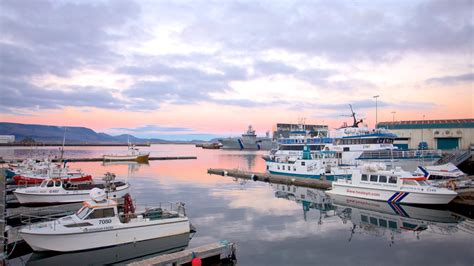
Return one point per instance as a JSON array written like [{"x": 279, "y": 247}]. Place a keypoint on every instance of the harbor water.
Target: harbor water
[{"x": 270, "y": 224}]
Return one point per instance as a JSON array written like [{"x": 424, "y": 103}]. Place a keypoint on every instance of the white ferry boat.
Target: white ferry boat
[
  {"x": 100, "y": 223},
  {"x": 56, "y": 191},
  {"x": 355, "y": 143},
  {"x": 248, "y": 141},
  {"x": 373, "y": 181},
  {"x": 319, "y": 165}
]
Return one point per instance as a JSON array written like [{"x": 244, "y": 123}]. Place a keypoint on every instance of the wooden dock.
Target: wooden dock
[
  {"x": 2, "y": 215},
  {"x": 278, "y": 179},
  {"x": 100, "y": 159},
  {"x": 209, "y": 254}
]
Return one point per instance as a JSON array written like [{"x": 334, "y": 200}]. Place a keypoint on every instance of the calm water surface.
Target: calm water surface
[{"x": 274, "y": 224}]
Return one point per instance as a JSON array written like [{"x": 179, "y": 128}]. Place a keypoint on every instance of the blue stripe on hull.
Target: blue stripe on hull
[
  {"x": 402, "y": 197},
  {"x": 393, "y": 196},
  {"x": 328, "y": 177}
]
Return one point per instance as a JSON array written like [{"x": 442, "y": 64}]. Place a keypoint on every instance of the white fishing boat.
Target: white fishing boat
[
  {"x": 133, "y": 154},
  {"x": 373, "y": 181},
  {"x": 446, "y": 175},
  {"x": 32, "y": 172},
  {"x": 100, "y": 223},
  {"x": 55, "y": 191}
]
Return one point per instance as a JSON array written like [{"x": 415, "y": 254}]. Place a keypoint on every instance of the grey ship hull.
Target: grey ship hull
[{"x": 241, "y": 144}]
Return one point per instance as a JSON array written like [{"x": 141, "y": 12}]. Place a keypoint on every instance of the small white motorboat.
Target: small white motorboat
[
  {"x": 446, "y": 175},
  {"x": 55, "y": 190},
  {"x": 101, "y": 223},
  {"x": 133, "y": 154},
  {"x": 373, "y": 181}
]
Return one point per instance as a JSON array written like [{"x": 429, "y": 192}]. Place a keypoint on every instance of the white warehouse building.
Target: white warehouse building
[
  {"x": 432, "y": 134},
  {"x": 7, "y": 139}
]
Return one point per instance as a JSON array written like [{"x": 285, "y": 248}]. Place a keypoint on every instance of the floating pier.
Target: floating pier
[
  {"x": 278, "y": 179},
  {"x": 211, "y": 254},
  {"x": 100, "y": 159}
]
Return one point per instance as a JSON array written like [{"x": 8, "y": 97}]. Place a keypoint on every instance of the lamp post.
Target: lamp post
[
  {"x": 422, "y": 139},
  {"x": 393, "y": 116},
  {"x": 376, "y": 115}
]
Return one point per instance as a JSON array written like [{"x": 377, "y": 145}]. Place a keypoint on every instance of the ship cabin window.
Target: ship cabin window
[
  {"x": 83, "y": 212},
  {"x": 278, "y": 167},
  {"x": 346, "y": 149},
  {"x": 438, "y": 177},
  {"x": 294, "y": 168},
  {"x": 410, "y": 182},
  {"x": 382, "y": 179},
  {"x": 382, "y": 223},
  {"x": 392, "y": 180},
  {"x": 50, "y": 183},
  {"x": 283, "y": 167},
  {"x": 392, "y": 224},
  {"x": 364, "y": 177},
  {"x": 57, "y": 183},
  {"x": 364, "y": 218},
  {"x": 373, "y": 220},
  {"x": 373, "y": 178},
  {"x": 101, "y": 213},
  {"x": 422, "y": 183},
  {"x": 303, "y": 163},
  {"x": 268, "y": 167}
]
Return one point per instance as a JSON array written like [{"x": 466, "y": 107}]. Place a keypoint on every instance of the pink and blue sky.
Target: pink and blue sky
[{"x": 201, "y": 69}]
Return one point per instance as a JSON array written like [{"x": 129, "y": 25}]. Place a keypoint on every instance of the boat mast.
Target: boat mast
[{"x": 62, "y": 148}]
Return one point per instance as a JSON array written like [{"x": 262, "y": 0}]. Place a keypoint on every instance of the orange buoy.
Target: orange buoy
[{"x": 196, "y": 261}]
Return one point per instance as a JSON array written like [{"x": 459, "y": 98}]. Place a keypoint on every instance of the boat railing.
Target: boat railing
[
  {"x": 31, "y": 219},
  {"x": 178, "y": 207},
  {"x": 400, "y": 154}
]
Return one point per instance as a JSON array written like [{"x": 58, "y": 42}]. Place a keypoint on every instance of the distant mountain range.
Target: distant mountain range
[{"x": 54, "y": 134}]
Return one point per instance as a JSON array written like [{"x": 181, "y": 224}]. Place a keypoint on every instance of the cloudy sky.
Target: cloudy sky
[{"x": 199, "y": 69}]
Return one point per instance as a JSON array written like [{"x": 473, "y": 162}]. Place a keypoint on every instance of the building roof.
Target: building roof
[{"x": 417, "y": 124}]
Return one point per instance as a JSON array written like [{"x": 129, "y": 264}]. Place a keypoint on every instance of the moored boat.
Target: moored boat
[
  {"x": 54, "y": 191},
  {"x": 318, "y": 164},
  {"x": 373, "y": 181},
  {"x": 100, "y": 223},
  {"x": 133, "y": 154}
]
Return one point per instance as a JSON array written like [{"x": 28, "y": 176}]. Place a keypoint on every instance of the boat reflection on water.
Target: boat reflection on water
[
  {"x": 380, "y": 218},
  {"x": 309, "y": 198},
  {"x": 112, "y": 255},
  {"x": 132, "y": 165}
]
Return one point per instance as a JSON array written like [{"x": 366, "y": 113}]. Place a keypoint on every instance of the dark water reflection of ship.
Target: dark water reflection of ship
[
  {"x": 380, "y": 219},
  {"x": 246, "y": 161},
  {"x": 310, "y": 199},
  {"x": 112, "y": 255}
]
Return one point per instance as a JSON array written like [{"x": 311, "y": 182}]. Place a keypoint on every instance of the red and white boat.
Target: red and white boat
[{"x": 36, "y": 173}]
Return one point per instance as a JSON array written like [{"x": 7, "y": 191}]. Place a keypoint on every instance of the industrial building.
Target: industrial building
[
  {"x": 283, "y": 130},
  {"x": 432, "y": 134},
  {"x": 7, "y": 139}
]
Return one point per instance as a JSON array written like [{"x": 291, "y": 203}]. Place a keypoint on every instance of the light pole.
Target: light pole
[
  {"x": 422, "y": 139},
  {"x": 393, "y": 116},
  {"x": 376, "y": 117}
]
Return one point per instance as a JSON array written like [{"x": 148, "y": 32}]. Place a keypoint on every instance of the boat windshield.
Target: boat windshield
[{"x": 83, "y": 212}]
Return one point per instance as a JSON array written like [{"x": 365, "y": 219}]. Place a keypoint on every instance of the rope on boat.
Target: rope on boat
[{"x": 14, "y": 245}]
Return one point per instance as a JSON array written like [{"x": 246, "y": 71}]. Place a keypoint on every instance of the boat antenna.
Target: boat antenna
[{"x": 62, "y": 148}]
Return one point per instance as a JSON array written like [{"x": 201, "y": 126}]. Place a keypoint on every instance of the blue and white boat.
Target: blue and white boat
[
  {"x": 355, "y": 144},
  {"x": 318, "y": 164}
]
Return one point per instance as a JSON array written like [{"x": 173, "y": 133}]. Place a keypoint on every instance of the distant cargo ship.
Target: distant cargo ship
[{"x": 248, "y": 141}]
